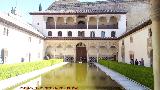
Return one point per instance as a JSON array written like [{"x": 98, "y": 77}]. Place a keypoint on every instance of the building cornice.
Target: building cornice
[
  {"x": 47, "y": 13},
  {"x": 78, "y": 38}
]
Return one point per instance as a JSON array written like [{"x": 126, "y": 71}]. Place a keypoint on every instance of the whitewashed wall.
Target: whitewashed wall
[
  {"x": 139, "y": 46},
  {"x": 18, "y": 45}
]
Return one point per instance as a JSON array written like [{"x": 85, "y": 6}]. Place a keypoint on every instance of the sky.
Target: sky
[{"x": 25, "y": 6}]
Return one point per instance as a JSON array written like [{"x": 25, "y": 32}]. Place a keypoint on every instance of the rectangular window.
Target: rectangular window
[
  {"x": 4, "y": 31},
  {"x": 29, "y": 39}
]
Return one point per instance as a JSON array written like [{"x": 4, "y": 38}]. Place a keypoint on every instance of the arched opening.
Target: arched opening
[
  {"x": 70, "y": 21},
  {"x": 60, "y": 34},
  {"x": 4, "y": 55},
  {"x": 50, "y": 23},
  {"x": 92, "y": 34},
  {"x": 113, "y": 34},
  {"x": 102, "y": 21},
  {"x": 69, "y": 56},
  {"x": 81, "y": 25},
  {"x": 70, "y": 34},
  {"x": 49, "y": 33},
  {"x": 103, "y": 34},
  {"x": 113, "y": 22},
  {"x": 81, "y": 53},
  {"x": 60, "y": 21}
]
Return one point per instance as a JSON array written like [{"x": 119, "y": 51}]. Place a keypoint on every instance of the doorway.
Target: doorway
[{"x": 81, "y": 53}]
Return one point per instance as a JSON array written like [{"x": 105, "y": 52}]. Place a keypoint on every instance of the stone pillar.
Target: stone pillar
[
  {"x": 87, "y": 54},
  {"x": 65, "y": 20},
  {"x": 87, "y": 21},
  {"x": 74, "y": 53},
  {"x": 155, "y": 16},
  {"x": 55, "y": 22},
  {"x": 97, "y": 22},
  {"x": 97, "y": 55}
]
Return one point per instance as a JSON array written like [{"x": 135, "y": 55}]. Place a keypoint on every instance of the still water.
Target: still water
[{"x": 75, "y": 76}]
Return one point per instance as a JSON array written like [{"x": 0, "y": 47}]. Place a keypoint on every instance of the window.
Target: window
[
  {"x": 131, "y": 39},
  {"x": 59, "y": 33},
  {"x": 150, "y": 32},
  {"x": 113, "y": 34},
  {"x": 92, "y": 34},
  {"x": 70, "y": 34},
  {"x": 50, "y": 33},
  {"x": 122, "y": 42},
  {"x": 4, "y": 31},
  {"x": 7, "y": 32},
  {"x": 29, "y": 39},
  {"x": 81, "y": 33},
  {"x": 4, "y": 55},
  {"x": 103, "y": 34}
]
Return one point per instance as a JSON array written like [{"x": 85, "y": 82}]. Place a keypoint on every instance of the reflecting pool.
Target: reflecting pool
[{"x": 73, "y": 76}]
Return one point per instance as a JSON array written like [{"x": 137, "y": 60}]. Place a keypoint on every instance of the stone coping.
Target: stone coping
[
  {"x": 24, "y": 77},
  {"x": 125, "y": 82}
]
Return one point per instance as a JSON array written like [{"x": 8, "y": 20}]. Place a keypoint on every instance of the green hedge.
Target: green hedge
[
  {"x": 11, "y": 70},
  {"x": 141, "y": 74}
]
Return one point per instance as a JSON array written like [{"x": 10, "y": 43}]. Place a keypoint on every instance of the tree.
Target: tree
[{"x": 40, "y": 7}]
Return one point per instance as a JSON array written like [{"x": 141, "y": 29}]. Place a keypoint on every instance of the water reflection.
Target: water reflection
[{"x": 75, "y": 76}]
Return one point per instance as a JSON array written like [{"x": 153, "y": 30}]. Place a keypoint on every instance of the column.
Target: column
[
  {"x": 97, "y": 54},
  {"x": 55, "y": 22},
  {"x": 74, "y": 53},
  {"x": 155, "y": 16},
  {"x": 65, "y": 20},
  {"x": 87, "y": 54},
  {"x": 97, "y": 22},
  {"x": 87, "y": 21}
]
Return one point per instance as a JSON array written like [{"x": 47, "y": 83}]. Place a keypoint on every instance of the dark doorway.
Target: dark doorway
[
  {"x": 81, "y": 25},
  {"x": 81, "y": 53}
]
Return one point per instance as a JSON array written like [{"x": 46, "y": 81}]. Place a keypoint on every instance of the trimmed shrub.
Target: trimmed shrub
[
  {"x": 11, "y": 70},
  {"x": 141, "y": 74}
]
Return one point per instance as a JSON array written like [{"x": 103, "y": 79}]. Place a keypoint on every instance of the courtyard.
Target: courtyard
[{"x": 91, "y": 45}]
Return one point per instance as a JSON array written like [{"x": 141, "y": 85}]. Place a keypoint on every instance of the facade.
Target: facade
[
  {"x": 20, "y": 42},
  {"x": 137, "y": 44},
  {"x": 80, "y": 32}
]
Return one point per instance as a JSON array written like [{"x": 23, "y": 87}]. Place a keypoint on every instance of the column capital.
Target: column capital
[{"x": 155, "y": 10}]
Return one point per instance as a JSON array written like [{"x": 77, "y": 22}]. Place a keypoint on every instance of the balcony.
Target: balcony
[{"x": 114, "y": 26}]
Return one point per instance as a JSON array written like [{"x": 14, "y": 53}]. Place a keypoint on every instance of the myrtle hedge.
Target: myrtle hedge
[
  {"x": 11, "y": 70},
  {"x": 141, "y": 74}
]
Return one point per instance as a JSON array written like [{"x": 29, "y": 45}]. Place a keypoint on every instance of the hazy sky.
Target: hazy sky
[{"x": 26, "y": 6}]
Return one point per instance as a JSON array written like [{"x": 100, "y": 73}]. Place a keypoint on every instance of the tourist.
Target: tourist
[
  {"x": 132, "y": 61},
  {"x": 136, "y": 62},
  {"x": 142, "y": 62}
]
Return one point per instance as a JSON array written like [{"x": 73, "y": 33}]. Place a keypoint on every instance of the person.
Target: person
[
  {"x": 132, "y": 61},
  {"x": 142, "y": 62},
  {"x": 136, "y": 62}
]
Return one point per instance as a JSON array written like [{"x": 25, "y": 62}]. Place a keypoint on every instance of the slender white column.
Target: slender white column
[
  {"x": 155, "y": 16},
  {"x": 97, "y": 54},
  {"x": 55, "y": 22},
  {"x": 65, "y": 20},
  {"x": 97, "y": 22},
  {"x": 87, "y": 21}
]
